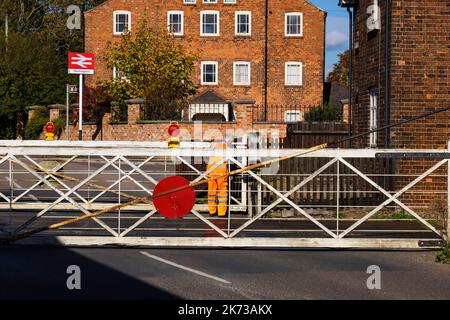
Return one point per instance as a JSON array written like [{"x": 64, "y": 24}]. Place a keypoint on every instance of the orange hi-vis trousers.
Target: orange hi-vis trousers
[{"x": 218, "y": 189}]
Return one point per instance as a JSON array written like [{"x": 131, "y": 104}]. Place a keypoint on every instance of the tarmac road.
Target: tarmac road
[{"x": 35, "y": 272}]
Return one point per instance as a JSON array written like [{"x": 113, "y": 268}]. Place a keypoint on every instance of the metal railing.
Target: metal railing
[
  {"x": 206, "y": 112},
  {"x": 279, "y": 113},
  {"x": 47, "y": 182}
]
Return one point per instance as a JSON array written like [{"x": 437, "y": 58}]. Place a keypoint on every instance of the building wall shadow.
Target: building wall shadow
[{"x": 39, "y": 273}]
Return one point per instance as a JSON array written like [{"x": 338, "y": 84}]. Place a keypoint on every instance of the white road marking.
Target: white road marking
[{"x": 176, "y": 265}]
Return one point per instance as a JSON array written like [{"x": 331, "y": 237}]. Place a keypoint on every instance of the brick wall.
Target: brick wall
[
  {"x": 420, "y": 81},
  {"x": 227, "y": 48},
  {"x": 134, "y": 130},
  {"x": 420, "y": 71},
  {"x": 368, "y": 73}
]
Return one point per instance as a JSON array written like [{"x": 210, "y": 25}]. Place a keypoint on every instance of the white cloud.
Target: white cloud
[
  {"x": 337, "y": 33},
  {"x": 336, "y": 39}
]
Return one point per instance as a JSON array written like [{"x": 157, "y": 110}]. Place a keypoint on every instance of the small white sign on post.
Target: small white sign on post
[
  {"x": 72, "y": 88},
  {"x": 81, "y": 63}
]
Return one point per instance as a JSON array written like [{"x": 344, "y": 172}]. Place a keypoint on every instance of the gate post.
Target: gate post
[{"x": 447, "y": 223}]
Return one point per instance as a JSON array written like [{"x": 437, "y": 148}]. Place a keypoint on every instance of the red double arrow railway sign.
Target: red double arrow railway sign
[{"x": 81, "y": 63}]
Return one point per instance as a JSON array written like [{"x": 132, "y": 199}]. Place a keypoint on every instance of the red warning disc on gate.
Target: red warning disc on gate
[{"x": 174, "y": 205}]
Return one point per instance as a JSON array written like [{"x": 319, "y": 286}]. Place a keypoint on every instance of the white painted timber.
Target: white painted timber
[
  {"x": 188, "y": 149},
  {"x": 244, "y": 242}
]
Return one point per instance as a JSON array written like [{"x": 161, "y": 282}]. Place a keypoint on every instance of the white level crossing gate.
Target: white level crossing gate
[{"x": 42, "y": 183}]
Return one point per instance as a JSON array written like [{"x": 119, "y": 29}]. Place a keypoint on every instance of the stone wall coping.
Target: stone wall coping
[
  {"x": 129, "y": 102},
  {"x": 142, "y": 101},
  {"x": 114, "y": 123},
  {"x": 56, "y": 106},
  {"x": 34, "y": 107},
  {"x": 135, "y": 101}
]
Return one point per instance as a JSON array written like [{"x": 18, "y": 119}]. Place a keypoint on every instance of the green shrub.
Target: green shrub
[
  {"x": 324, "y": 113},
  {"x": 119, "y": 112},
  {"x": 443, "y": 255},
  {"x": 402, "y": 215},
  {"x": 36, "y": 124},
  {"x": 60, "y": 125}
]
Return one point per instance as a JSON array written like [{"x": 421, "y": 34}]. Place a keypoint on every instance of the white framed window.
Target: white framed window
[
  {"x": 189, "y": 1},
  {"x": 199, "y": 109},
  {"x": 294, "y": 24},
  {"x": 293, "y": 74},
  {"x": 209, "y": 23},
  {"x": 243, "y": 23},
  {"x": 241, "y": 73},
  {"x": 209, "y": 73},
  {"x": 118, "y": 75},
  {"x": 209, "y": 1},
  {"x": 229, "y": 1},
  {"x": 293, "y": 116},
  {"x": 175, "y": 22},
  {"x": 121, "y": 22},
  {"x": 373, "y": 116}
]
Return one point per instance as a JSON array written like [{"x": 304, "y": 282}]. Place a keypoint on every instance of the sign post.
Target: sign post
[
  {"x": 81, "y": 64},
  {"x": 80, "y": 109}
]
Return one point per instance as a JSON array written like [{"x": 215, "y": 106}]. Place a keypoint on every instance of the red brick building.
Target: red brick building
[
  {"x": 401, "y": 68},
  {"x": 268, "y": 51}
]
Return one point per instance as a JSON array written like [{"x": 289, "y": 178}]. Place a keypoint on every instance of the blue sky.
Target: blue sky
[{"x": 337, "y": 30}]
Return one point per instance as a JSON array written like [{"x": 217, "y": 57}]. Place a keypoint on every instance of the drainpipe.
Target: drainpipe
[
  {"x": 266, "y": 50},
  {"x": 387, "y": 74},
  {"x": 350, "y": 89},
  {"x": 389, "y": 165},
  {"x": 324, "y": 50},
  {"x": 83, "y": 27}
]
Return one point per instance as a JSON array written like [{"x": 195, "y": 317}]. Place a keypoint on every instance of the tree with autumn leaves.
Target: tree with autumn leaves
[
  {"x": 33, "y": 64},
  {"x": 152, "y": 65},
  {"x": 340, "y": 72}
]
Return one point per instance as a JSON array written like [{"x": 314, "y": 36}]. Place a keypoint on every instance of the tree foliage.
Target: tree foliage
[
  {"x": 36, "y": 123},
  {"x": 33, "y": 58},
  {"x": 340, "y": 72},
  {"x": 153, "y": 66},
  {"x": 30, "y": 74},
  {"x": 324, "y": 113}
]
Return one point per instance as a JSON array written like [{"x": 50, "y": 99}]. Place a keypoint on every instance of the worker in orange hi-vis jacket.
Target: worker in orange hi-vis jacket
[{"x": 218, "y": 188}]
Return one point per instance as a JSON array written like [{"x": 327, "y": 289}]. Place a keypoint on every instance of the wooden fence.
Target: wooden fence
[
  {"x": 353, "y": 190},
  {"x": 309, "y": 134}
]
